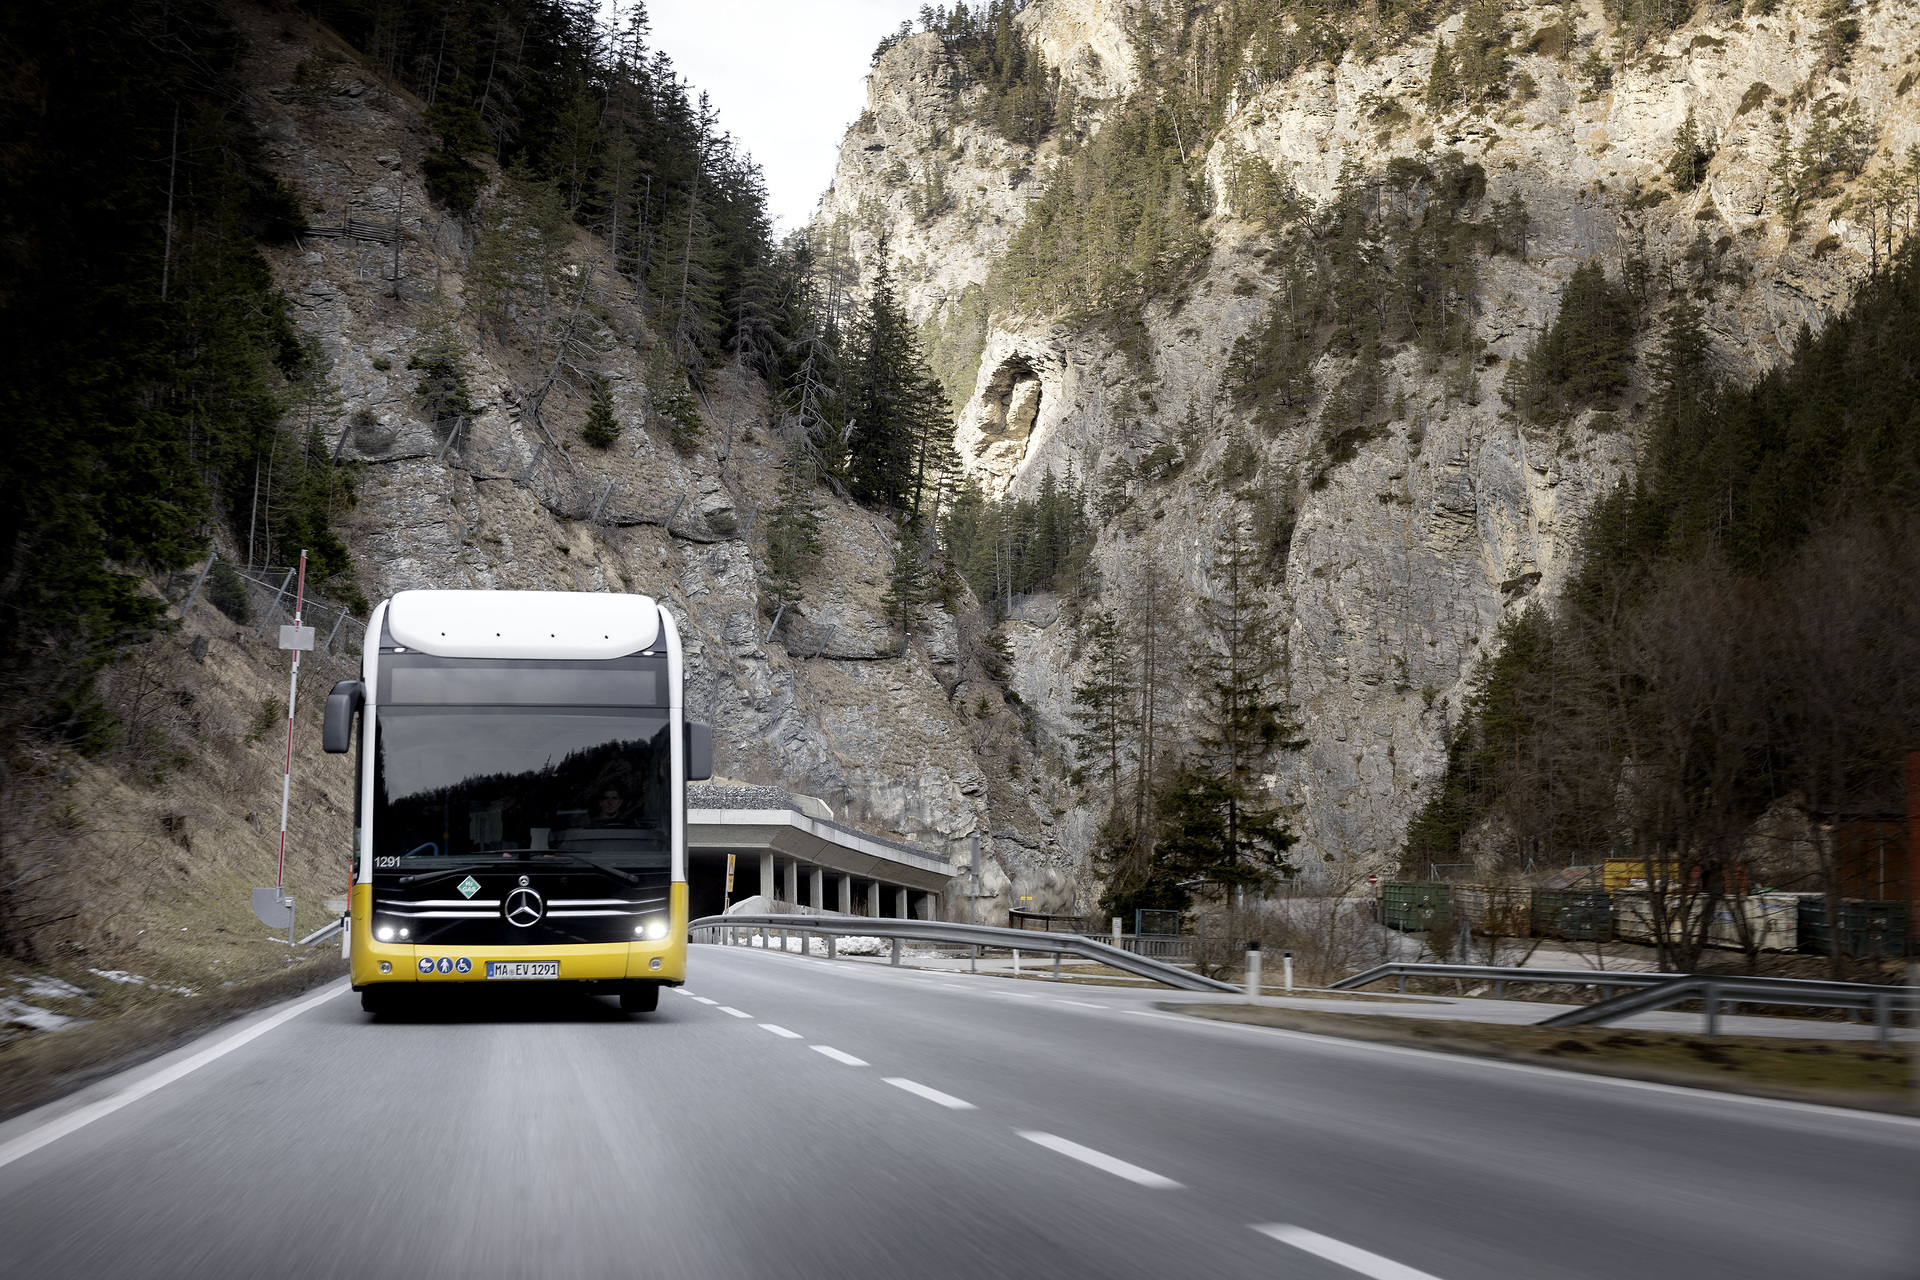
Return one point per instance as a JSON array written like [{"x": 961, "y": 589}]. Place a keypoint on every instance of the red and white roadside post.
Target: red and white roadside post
[{"x": 273, "y": 906}]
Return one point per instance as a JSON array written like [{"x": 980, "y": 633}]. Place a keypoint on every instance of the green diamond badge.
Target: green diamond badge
[{"x": 468, "y": 887}]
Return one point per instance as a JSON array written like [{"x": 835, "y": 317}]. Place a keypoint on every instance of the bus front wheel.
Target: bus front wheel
[
  {"x": 381, "y": 999},
  {"x": 640, "y": 997}
]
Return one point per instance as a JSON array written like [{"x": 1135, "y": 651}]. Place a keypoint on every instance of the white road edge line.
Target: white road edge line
[
  {"x": 838, "y": 1056},
  {"x": 1553, "y": 1073},
  {"x": 727, "y": 1008},
  {"x": 54, "y": 1130},
  {"x": 1082, "y": 1004},
  {"x": 780, "y": 1031},
  {"x": 704, "y": 1000},
  {"x": 931, "y": 1095},
  {"x": 1336, "y": 1251},
  {"x": 1099, "y": 1159}
]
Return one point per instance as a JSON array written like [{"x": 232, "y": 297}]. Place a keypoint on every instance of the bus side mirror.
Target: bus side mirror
[
  {"x": 343, "y": 704},
  {"x": 699, "y": 751}
]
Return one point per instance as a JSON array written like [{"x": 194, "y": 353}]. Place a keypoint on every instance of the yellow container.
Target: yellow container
[{"x": 1621, "y": 873}]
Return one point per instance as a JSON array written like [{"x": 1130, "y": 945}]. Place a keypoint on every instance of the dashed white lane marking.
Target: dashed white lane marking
[
  {"x": 931, "y": 1095},
  {"x": 1082, "y": 1004},
  {"x": 1338, "y": 1251},
  {"x": 727, "y": 1008},
  {"x": 838, "y": 1056},
  {"x": 704, "y": 1000},
  {"x": 957, "y": 986},
  {"x": 79, "y": 1119},
  {"x": 780, "y": 1031},
  {"x": 1099, "y": 1159}
]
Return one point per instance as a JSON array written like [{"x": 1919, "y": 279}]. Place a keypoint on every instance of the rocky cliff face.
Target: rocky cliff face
[
  {"x": 1403, "y": 564},
  {"x": 914, "y": 744}
]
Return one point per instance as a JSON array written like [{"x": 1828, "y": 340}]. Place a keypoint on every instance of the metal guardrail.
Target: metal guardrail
[
  {"x": 1500, "y": 975},
  {"x": 1653, "y": 991},
  {"x": 714, "y": 928},
  {"x": 1717, "y": 991}
]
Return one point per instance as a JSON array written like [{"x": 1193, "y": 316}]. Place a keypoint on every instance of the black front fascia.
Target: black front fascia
[{"x": 435, "y": 912}]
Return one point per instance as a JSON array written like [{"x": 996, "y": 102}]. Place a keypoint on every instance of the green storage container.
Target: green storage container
[
  {"x": 1415, "y": 904},
  {"x": 1578, "y": 915},
  {"x": 1866, "y": 928}
]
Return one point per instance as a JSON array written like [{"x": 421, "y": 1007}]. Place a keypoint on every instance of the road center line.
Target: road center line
[
  {"x": 780, "y": 1031},
  {"x": 1082, "y": 1004},
  {"x": 727, "y": 1008},
  {"x": 80, "y": 1118},
  {"x": 838, "y": 1056},
  {"x": 1099, "y": 1159},
  {"x": 931, "y": 1095},
  {"x": 1337, "y": 1251},
  {"x": 704, "y": 1000}
]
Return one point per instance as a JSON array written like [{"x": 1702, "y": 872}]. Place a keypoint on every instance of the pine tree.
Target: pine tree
[
  {"x": 1244, "y": 717},
  {"x": 906, "y": 587},
  {"x": 442, "y": 387},
  {"x": 1687, "y": 165},
  {"x": 1104, "y": 704},
  {"x": 1839, "y": 29},
  {"x": 668, "y": 402},
  {"x": 602, "y": 428},
  {"x": 1442, "y": 87},
  {"x": 899, "y": 427},
  {"x": 1679, "y": 364},
  {"x": 793, "y": 527}
]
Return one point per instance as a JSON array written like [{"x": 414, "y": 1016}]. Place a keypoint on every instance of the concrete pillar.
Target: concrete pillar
[
  {"x": 766, "y": 874},
  {"x": 816, "y": 888},
  {"x": 873, "y": 899},
  {"x": 793, "y": 882},
  {"x": 929, "y": 906},
  {"x": 900, "y": 904},
  {"x": 846, "y": 895}
]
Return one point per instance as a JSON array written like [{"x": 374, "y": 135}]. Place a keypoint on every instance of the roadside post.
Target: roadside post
[
  {"x": 973, "y": 895},
  {"x": 1253, "y": 972},
  {"x": 1286, "y": 963},
  {"x": 274, "y": 907},
  {"x": 727, "y": 898}
]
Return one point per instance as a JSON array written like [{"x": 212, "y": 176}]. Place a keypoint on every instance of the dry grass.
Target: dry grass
[
  {"x": 1850, "y": 1073},
  {"x": 133, "y": 1023}
]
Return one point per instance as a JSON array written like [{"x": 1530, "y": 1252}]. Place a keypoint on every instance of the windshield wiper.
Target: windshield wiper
[
  {"x": 420, "y": 876},
  {"x": 588, "y": 862},
  {"x": 417, "y": 877}
]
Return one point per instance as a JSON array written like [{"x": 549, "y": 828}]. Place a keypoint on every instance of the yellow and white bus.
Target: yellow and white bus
[{"x": 520, "y": 813}]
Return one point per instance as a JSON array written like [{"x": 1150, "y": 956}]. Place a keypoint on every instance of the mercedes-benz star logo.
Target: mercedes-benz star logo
[{"x": 524, "y": 907}]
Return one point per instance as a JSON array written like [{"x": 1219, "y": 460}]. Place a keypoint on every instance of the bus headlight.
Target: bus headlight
[
  {"x": 384, "y": 933},
  {"x": 653, "y": 932}
]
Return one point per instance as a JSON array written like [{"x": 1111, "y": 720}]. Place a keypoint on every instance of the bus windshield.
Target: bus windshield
[{"x": 524, "y": 783}]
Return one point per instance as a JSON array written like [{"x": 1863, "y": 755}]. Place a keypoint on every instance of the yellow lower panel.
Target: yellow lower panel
[{"x": 584, "y": 962}]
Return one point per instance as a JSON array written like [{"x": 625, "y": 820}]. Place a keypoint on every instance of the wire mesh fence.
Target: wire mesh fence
[{"x": 256, "y": 599}]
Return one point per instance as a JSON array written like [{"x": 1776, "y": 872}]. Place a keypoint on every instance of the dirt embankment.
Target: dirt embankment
[{"x": 1849, "y": 1073}]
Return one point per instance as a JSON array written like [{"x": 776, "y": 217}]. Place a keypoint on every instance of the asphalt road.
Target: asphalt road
[{"x": 794, "y": 1117}]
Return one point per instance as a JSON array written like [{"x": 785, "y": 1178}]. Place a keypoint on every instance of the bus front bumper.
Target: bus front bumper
[{"x": 375, "y": 962}]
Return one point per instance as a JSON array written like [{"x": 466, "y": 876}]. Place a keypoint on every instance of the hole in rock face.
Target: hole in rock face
[{"x": 1012, "y": 401}]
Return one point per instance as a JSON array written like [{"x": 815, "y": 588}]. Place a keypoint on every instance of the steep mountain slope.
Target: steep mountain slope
[
  {"x": 503, "y": 506},
  {"x": 1414, "y": 533}
]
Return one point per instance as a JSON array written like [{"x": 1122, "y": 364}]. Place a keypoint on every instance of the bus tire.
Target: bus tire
[
  {"x": 380, "y": 999},
  {"x": 640, "y": 997}
]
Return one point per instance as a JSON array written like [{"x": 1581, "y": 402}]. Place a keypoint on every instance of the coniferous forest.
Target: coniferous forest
[{"x": 155, "y": 381}]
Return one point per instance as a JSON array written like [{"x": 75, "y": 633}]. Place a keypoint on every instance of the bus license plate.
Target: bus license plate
[{"x": 523, "y": 968}]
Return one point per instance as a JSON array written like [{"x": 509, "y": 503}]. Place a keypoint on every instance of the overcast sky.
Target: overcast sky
[{"x": 788, "y": 77}]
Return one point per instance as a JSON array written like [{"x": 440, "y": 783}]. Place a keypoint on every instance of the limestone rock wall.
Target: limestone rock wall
[
  {"x": 908, "y": 741},
  {"x": 1402, "y": 566}
]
